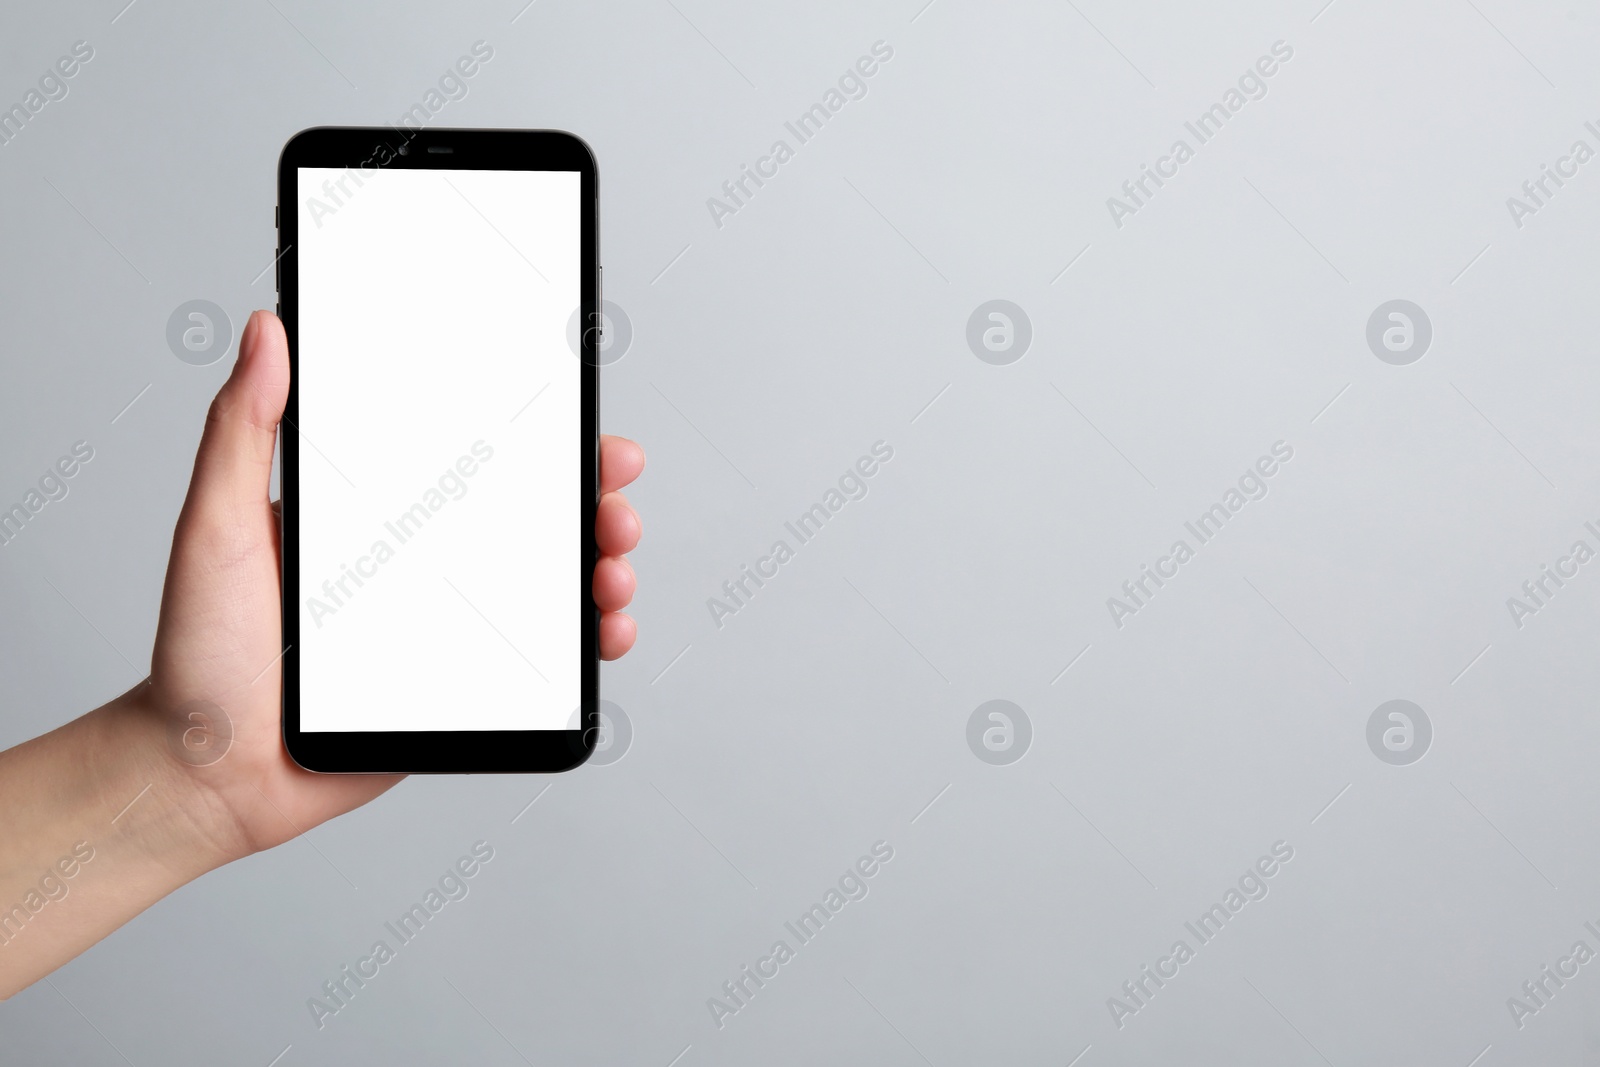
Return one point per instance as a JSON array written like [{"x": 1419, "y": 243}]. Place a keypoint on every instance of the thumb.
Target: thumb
[{"x": 234, "y": 464}]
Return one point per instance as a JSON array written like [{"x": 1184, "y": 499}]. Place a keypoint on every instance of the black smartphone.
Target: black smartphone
[{"x": 439, "y": 451}]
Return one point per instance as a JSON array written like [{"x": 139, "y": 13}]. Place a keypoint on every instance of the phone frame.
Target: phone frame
[{"x": 440, "y": 751}]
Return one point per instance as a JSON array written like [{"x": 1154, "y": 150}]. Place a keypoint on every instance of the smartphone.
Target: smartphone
[{"x": 439, "y": 451}]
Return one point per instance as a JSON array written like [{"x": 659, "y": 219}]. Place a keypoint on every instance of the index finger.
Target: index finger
[{"x": 621, "y": 461}]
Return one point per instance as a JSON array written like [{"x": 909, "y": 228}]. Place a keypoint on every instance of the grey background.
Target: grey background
[{"x": 769, "y": 754}]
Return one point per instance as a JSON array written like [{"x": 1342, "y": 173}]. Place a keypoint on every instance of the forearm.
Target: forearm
[{"x": 98, "y": 820}]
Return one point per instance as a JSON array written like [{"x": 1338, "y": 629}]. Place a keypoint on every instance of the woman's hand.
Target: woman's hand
[{"x": 187, "y": 771}]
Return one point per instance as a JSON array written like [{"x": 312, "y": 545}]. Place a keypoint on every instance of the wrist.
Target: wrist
[
  {"x": 102, "y": 821},
  {"x": 157, "y": 805}
]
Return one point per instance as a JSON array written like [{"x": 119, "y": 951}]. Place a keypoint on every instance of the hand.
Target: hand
[
  {"x": 112, "y": 786},
  {"x": 219, "y": 635}
]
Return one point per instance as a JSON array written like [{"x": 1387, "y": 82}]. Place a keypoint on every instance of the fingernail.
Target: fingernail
[{"x": 247, "y": 338}]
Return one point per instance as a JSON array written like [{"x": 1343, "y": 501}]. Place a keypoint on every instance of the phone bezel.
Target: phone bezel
[{"x": 439, "y": 751}]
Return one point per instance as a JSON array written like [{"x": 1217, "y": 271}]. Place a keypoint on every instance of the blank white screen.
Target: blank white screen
[{"x": 439, "y": 408}]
